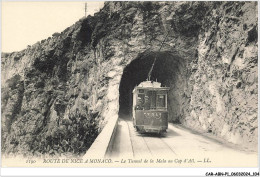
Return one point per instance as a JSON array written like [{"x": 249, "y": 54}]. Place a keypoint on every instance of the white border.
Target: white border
[
  {"x": 126, "y": 171},
  {"x": 119, "y": 171}
]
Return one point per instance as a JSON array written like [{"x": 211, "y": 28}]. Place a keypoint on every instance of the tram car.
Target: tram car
[{"x": 150, "y": 112}]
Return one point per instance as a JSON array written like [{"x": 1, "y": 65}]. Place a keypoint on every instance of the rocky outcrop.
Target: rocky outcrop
[
  {"x": 224, "y": 95},
  {"x": 59, "y": 93}
]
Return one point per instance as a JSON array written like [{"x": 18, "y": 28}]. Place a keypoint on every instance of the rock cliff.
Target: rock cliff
[{"x": 59, "y": 93}]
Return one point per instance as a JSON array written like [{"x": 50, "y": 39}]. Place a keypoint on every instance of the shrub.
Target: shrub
[
  {"x": 73, "y": 136},
  {"x": 55, "y": 34}
]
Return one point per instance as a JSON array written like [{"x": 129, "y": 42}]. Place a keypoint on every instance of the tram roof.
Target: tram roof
[{"x": 151, "y": 85}]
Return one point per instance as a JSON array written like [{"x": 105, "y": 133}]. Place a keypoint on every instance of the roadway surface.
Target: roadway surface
[{"x": 179, "y": 143}]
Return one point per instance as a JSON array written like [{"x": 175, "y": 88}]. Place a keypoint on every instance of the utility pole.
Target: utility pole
[{"x": 86, "y": 9}]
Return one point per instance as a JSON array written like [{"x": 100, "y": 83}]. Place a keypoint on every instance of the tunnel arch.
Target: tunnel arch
[{"x": 168, "y": 69}]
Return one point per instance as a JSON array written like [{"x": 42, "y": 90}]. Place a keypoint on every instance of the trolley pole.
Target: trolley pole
[
  {"x": 151, "y": 69},
  {"x": 86, "y": 5}
]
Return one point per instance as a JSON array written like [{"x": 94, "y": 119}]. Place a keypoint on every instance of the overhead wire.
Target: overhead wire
[{"x": 151, "y": 69}]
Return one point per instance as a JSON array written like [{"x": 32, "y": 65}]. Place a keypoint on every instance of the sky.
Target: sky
[{"x": 25, "y": 23}]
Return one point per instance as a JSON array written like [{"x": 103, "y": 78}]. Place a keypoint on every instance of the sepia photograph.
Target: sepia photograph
[{"x": 130, "y": 84}]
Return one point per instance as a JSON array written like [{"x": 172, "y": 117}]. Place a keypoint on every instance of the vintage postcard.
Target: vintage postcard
[{"x": 129, "y": 84}]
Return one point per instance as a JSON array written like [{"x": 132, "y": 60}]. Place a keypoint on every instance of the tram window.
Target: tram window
[
  {"x": 140, "y": 102},
  {"x": 141, "y": 98},
  {"x": 152, "y": 99},
  {"x": 161, "y": 101}
]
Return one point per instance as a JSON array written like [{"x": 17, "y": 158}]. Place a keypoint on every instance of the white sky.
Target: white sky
[{"x": 25, "y": 23}]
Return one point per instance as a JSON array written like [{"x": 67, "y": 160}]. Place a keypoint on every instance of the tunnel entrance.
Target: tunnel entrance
[{"x": 166, "y": 70}]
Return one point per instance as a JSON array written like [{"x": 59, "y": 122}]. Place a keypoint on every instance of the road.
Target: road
[{"x": 179, "y": 143}]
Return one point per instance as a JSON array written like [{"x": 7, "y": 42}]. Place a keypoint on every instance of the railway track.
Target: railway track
[
  {"x": 139, "y": 145},
  {"x": 177, "y": 143}
]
